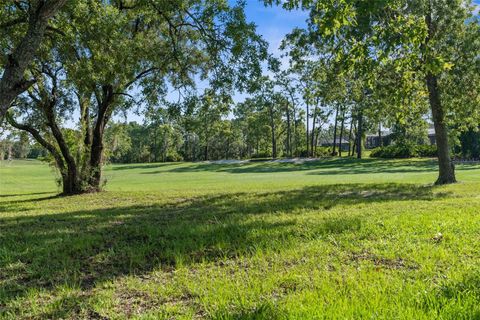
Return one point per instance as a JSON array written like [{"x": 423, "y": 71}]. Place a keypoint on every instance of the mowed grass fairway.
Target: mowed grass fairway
[{"x": 344, "y": 239}]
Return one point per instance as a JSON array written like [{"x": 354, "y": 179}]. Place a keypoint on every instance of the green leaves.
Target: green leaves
[{"x": 390, "y": 47}]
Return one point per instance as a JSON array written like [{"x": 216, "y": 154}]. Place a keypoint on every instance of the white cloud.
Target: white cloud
[{"x": 476, "y": 5}]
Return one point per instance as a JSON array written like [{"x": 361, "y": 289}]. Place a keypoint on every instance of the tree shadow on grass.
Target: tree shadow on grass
[
  {"x": 85, "y": 248},
  {"x": 393, "y": 167},
  {"x": 145, "y": 166},
  {"x": 16, "y": 205},
  {"x": 333, "y": 166},
  {"x": 23, "y": 194},
  {"x": 327, "y": 167}
]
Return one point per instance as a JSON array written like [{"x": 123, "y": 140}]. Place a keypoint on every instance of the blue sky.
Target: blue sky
[{"x": 273, "y": 23}]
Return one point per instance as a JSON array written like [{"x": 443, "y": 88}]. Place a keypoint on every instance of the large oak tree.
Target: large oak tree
[{"x": 118, "y": 55}]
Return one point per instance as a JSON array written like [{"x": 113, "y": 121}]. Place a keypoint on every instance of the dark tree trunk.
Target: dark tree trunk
[
  {"x": 155, "y": 147},
  {"x": 354, "y": 146},
  {"x": 359, "y": 135},
  {"x": 294, "y": 148},
  {"x": 446, "y": 168},
  {"x": 335, "y": 133},
  {"x": 355, "y": 140},
  {"x": 13, "y": 82},
  {"x": 96, "y": 154},
  {"x": 313, "y": 129},
  {"x": 380, "y": 141},
  {"x": 96, "y": 159},
  {"x": 274, "y": 139},
  {"x": 350, "y": 153},
  {"x": 446, "y": 172},
  {"x": 308, "y": 128},
  {"x": 70, "y": 182},
  {"x": 83, "y": 162},
  {"x": 341, "y": 134},
  {"x": 185, "y": 147},
  {"x": 312, "y": 138},
  {"x": 193, "y": 148},
  {"x": 289, "y": 131}
]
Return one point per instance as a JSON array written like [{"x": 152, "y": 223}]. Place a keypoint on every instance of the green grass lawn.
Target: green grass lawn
[{"x": 330, "y": 239}]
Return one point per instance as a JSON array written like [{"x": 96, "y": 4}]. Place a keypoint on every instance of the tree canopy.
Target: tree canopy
[
  {"x": 358, "y": 68},
  {"x": 110, "y": 57}
]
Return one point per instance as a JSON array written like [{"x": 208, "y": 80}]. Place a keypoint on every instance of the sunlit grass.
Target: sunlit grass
[{"x": 331, "y": 239}]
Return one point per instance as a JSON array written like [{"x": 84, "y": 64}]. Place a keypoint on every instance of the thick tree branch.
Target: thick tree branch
[
  {"x": 140, "y": 76},
  {"x": 57, "y": 133},
  {"x": 38, "y": 137},
  {"x": 13, "y": 82}
]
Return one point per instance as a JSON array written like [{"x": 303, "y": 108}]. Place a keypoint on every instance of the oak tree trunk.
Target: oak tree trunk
[
  {"x": 274, "y": 139},
  {"x": 312, "y": 142},
  {"x": 342, "y": 124},
  {"x": 289, "y": 131},
  {"x": 70, "y": 183},
  {"x": 446, "y": 173},
  {"x": 96, "y": 160},
  {"x": 96, "y": 153},
  {"x": 350, "y": 152},
  {"x": 308, "y": 128},
  {"x": 359, "y": 135},
  {"x": 335, "y": 133},
  {"x": 380, "y": 140}
]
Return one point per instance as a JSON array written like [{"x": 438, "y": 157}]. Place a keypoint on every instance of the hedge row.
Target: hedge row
[{"x": 404, "y": 151}]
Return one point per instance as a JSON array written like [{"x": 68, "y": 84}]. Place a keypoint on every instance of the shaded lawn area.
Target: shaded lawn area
[
  {"x": 326, "y": 166},
  {"x": 344, "y": 250}
]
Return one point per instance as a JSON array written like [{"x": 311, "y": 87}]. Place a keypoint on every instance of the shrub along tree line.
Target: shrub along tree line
[
  {"x": 71, "y": 67},
  {"x": 404, "y": 151}
]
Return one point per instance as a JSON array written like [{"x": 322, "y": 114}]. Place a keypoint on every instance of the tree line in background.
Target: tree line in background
[
  {"x": 70, "y": 68},
  {"x": 166, "y": 138}
]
